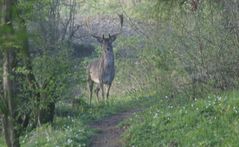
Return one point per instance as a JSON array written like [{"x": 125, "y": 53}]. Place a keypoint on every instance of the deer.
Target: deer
[{"x": 102, "y": 71}]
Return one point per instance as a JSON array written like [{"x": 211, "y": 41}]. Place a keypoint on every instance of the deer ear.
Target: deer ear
[
  {"x": 99, "y": 39},
  {"x": 112, "y": 38}
]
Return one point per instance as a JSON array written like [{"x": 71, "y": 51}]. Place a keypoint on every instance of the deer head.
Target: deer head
[{"x": 106, "y": 43}]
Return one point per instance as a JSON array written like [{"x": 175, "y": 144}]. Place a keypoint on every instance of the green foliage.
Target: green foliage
[
  {"x": 2, "y": 142},
  {"x": 194, "y": 44},
  {"x": 67, "y": 131},
  {"x": 212, "y": 121}
]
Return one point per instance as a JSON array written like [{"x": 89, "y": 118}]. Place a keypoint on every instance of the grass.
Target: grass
[
  {"x": 212, "y": 121},
  {"x": 70, "y": 127},
  {"x": 65, "y": 132}
]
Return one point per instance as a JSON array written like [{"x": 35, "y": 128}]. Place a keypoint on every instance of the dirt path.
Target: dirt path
[{"x": 109, "y": 134}]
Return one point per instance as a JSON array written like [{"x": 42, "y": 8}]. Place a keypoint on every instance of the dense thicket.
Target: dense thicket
[
  {"x": 196, "y": 44},
  {"x": 32, "y": 44}
]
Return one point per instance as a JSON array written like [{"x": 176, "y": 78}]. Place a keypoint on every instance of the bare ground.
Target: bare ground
[{"x": 109, "y": 133}]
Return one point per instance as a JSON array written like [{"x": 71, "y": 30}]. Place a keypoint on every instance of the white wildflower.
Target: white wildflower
[{"x": 69, "y": 141}]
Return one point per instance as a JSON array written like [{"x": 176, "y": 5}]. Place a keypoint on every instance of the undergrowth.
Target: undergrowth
[
  {"x": 71, "y": 125},
  {"x": 212, "y": 121}
]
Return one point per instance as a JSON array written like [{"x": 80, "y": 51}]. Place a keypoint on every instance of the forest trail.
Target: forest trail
[{"x": 109, "y": 133}]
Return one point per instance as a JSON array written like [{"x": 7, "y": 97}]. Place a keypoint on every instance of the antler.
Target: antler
[
  {"x": 89, "y": 29},
  {"x": 121, "y": 25}
]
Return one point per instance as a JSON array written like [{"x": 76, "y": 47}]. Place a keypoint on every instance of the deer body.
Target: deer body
[{"x": 102, "y": 71}]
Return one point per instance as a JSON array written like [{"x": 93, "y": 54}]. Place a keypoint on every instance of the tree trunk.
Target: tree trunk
[{"x": 9, "y": 124}]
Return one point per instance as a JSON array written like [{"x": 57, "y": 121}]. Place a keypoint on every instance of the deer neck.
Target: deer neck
[{"x": 108, "y": 58}]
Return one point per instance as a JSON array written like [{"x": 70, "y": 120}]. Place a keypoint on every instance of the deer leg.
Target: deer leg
[
  {"x": 108, "y": 90},
  {"x": 102, "y": 90},
  {"x": 97, "y": 92},
  {"x": 91, "y": 84}
]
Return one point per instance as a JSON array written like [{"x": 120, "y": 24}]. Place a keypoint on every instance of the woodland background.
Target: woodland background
[{"x": 178, "y": 57}]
